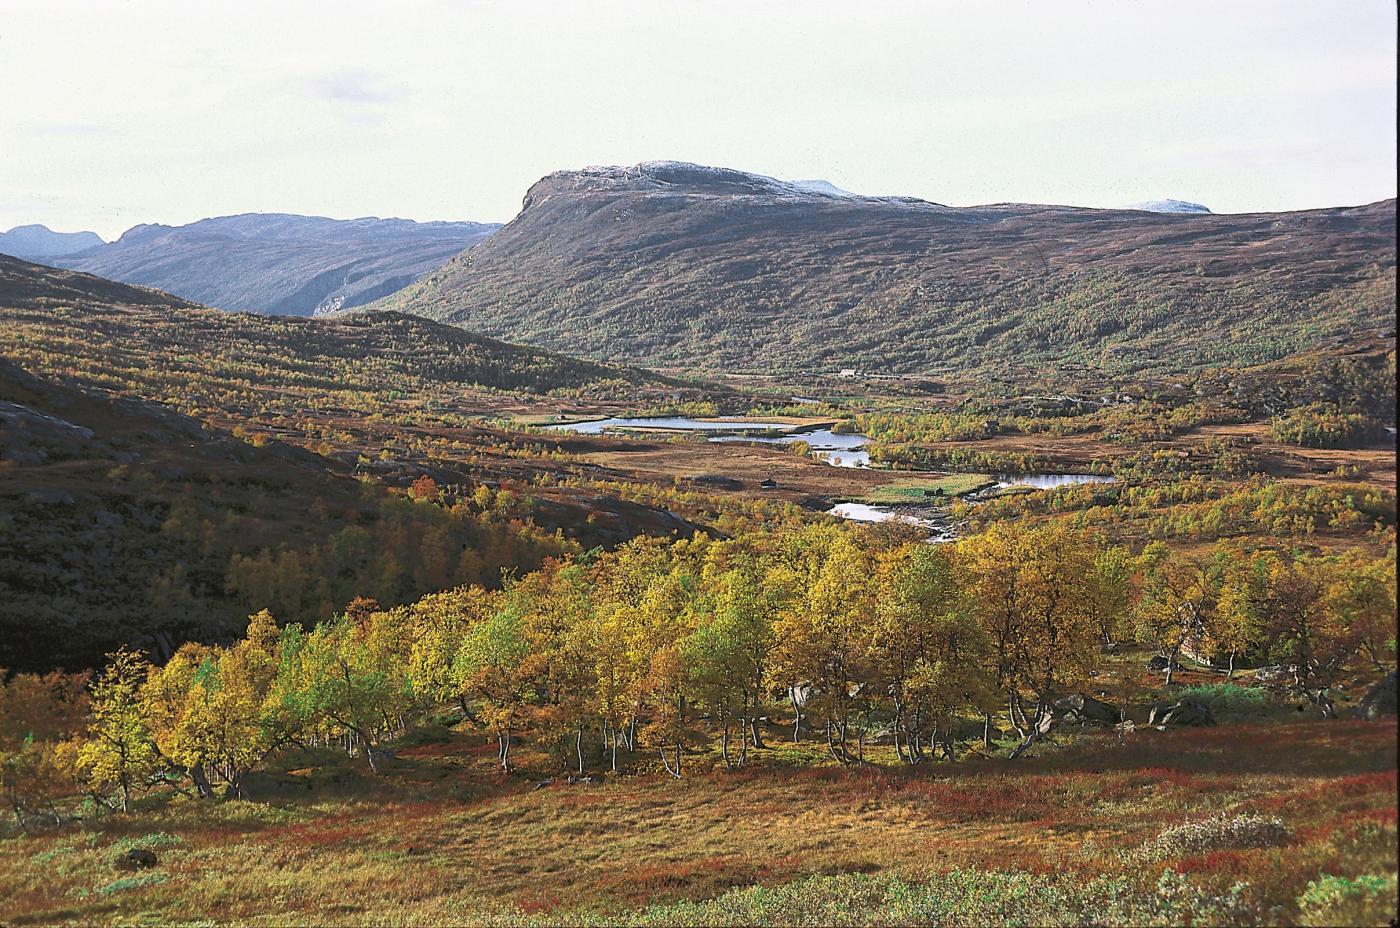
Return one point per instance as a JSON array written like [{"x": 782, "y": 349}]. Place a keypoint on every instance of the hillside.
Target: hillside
[
  {"x": 144, "y": 498},
  {"x": 669, "y": 264},
  {"x": 161, "y": 347},
  {"x": 280, "y": 264},
  {"x": 40, "y": 243}
]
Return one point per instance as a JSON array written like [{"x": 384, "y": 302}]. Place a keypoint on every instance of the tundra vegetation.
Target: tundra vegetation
[
  {"x": 841, "y": 670},
  {"x": 339, "y": 645}
]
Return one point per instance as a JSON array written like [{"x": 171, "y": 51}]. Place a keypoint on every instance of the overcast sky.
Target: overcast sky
[{"x": 114, "y": 113}]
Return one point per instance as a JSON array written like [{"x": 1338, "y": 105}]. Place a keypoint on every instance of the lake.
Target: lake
[{"x": 833, "y": 448}]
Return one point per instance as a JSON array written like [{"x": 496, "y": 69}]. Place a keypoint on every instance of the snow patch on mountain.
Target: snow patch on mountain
[{"x": 1168, "y": 206}]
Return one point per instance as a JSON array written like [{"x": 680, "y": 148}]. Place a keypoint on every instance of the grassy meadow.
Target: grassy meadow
[{"x": 1079, "y": 833}]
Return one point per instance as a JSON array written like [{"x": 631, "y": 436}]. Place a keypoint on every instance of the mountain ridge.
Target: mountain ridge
[
  {"x": 667, "y": 264},
  {"x": 37, "y": 242},
  {"x": 279, "y": 263}
]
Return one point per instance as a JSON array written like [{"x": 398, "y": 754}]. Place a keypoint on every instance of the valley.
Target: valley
[{"x": 367, "y": 613}]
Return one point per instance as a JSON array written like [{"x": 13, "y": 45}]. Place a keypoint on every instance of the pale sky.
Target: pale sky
[{"x": 114, "y": 113}]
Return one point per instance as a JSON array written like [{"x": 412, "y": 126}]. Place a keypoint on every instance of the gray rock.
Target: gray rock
[
  {"x": 1185, "y": 713},
  {"x": 1083, "y": 709},
  {"x": 1273, "y": 673},
  {"x": 1379, "y": 699}
]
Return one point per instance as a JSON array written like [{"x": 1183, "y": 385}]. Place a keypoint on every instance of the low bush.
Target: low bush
[
  {"x": 1336, "y": 900},
  {"x": 1230, "y": 702},
  {"x": 961, "y": 897},
  {"x": 1224, "y": 832},
  {"x": 132, "y": 882}
]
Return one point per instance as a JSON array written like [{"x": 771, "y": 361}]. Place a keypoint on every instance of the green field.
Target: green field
[{"x": 928, "y": 490}]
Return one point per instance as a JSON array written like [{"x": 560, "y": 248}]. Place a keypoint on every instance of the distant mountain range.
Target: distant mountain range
[
  {"x": 39, "y": 243},
  {"x": 276, "y": 263},
  {"x": 667, "y": 264}
]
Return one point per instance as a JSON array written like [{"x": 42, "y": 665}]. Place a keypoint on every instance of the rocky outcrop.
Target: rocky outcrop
[
  {"x": 1379, "y": 699},
  {"x": 1080, "y": 709},
  {"x": 1184, "y": 713}
]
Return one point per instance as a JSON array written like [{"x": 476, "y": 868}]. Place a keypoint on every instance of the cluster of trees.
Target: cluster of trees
[
  {"x": 1325, "y": 425},
  {"x": 898, "y": 427},
  {"x": 661, "y": 644},
  {"x": 1314, "y": 615},
  {"x": 1207, "y": 509}
]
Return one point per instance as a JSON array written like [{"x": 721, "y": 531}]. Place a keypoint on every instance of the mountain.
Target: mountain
[
  {"x": 671, "y": 264},
  {"x": 40, "y": 243},
  {"x": 280, "y": 264},
  {"x": 1168, "y": 206}
]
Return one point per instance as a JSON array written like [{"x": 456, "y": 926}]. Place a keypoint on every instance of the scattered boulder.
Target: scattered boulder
[
  {"x": 135, "y": 859},
  {"x": 973, "y": 729},
  {"x": 718, "y": 481},
  {"x": 542, "y": 784},
  {"x": 1184, "y": 713},
  {"x": 1379, "y": 699},
  {"x": 881, "y": 736},
  {"x": 1085, "y": 710},
  {"x": 1273, "y": 673},
  {"x": 263, "y": 786},
  {"x": 1159, "y": 663}
]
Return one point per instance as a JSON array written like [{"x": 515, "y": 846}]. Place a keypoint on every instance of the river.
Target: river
[{"x": 838, "y": 449}]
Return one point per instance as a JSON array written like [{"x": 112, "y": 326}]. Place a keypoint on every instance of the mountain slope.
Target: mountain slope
[
  {"x": 150, "y": 344},
  {"x": 146, "y": 499},
  {"x": 40, "y": 243},
  {"x": 280, "y": 264},
  {"x": 704, "y": 268}
]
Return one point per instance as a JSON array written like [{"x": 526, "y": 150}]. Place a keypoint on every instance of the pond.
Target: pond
[
  {"x": 840, "y": 450},
  {"x": 831, "y": 447},
  {"x": 1049, "y": 481},
  {"x": 863, "y": 512},
  {"x": 674, "y": 423}
]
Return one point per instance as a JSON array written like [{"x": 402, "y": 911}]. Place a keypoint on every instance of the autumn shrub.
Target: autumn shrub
[
  {"x": 146, "y": 842},
  {"x": 132, "y": 882},
  {"x": 962, "y": 897},
  {"x": 1224, "y": 832},
  {"x": 1369, "y": 899}
]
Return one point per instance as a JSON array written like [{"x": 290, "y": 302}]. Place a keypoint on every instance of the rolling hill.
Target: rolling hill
[
  {"x": 667, "y": 264},
  {"x": 150, "y": 344},
  {"x": 279, "y": 264}
]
